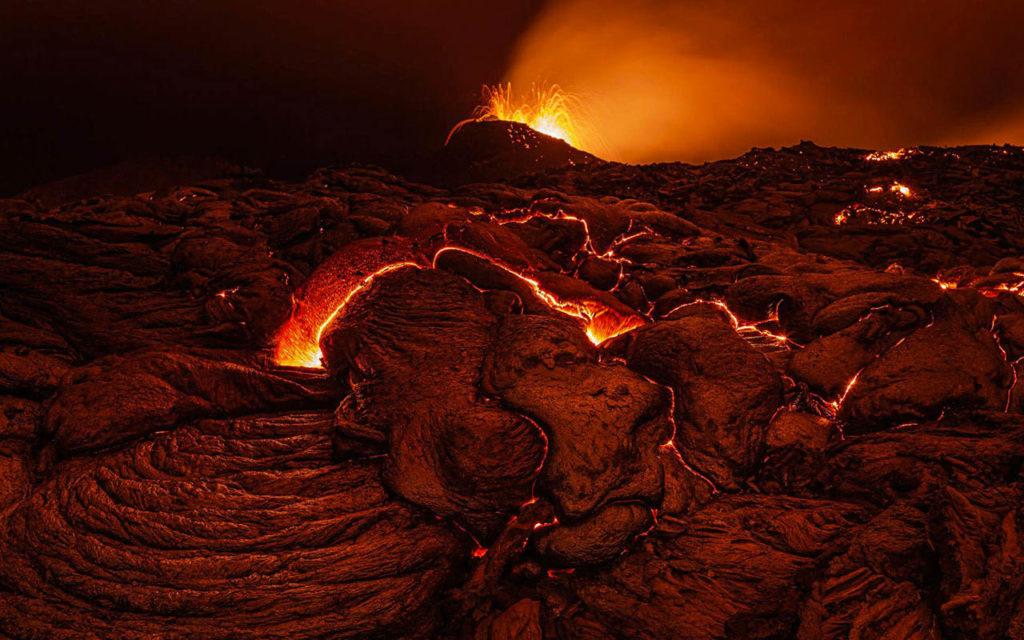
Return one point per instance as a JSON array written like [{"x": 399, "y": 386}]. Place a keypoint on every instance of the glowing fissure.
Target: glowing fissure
[
  {"x": 297, "y": 350},
  {"x": 874, "y": 215},
  {"x": 299, "y": 345},
  {"x": 752, "y": 333},
  {"x": 600, "y": 321},
  {"x": 1014, "y": 287},
  {"x": 298, "y": 341},
  {"x": 994, "y": 330},
  {"x": 838, "y": 402},
  {"x": 671, "y": 443},
  {"x": 524, "y": 216}
]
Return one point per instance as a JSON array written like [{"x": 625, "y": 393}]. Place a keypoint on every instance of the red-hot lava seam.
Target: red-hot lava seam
[
  {"x": 670, "y": 444},
  {"x": 298, "y": 344},
  {"x": 521, "y": 216},
  {"x": 994, "y": 330},
  {"x": 601, "y": 322},
  {"x": 752, "y": 333}
]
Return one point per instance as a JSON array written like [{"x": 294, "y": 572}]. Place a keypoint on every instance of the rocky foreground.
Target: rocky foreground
[{"x": 801, "y": 419}]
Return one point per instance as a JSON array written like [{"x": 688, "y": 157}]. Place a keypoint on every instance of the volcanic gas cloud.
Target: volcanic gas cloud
[{"x": 697, "y": 80}]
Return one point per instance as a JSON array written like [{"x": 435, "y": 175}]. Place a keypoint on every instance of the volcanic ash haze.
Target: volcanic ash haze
[{"x": 695, "y": 80}]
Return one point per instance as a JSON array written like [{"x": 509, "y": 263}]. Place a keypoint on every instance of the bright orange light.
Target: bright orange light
[
  {"x": 882, "y": 156},
  {"x": 838, "y": 402},
  {"x": 752, "y": 333},
  {"x": 600, "y": 321},
  {"x": 298, "y": 341},
  {"x": 895, "y": 187},
  {"x": 333, "y": 284},
  {"x": 299, "y": 346},
  {"x": 1017, "y": 287},
  {"x": 902, "y": 189},
  {"x": 549, "y": 110},
  {"x": 327, "y": 290}
]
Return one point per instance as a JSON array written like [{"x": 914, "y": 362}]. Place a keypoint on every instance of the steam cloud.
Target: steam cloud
[{"x": 698, "y": 80}]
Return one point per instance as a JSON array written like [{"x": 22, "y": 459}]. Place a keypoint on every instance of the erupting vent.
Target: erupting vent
[{"x": 549, "y": 110}]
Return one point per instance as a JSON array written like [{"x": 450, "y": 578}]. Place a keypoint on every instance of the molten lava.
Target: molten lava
[
  {"x": 325, "y": 293},
  {"x": 883, "y": 156},
  {"x": 335, "y": 282},
  {"x": 548, "y": 110},
  {"x": 901, "y": 189},
  {"x": 330, "y": 287},
  {"x": 601, "y": 322}
]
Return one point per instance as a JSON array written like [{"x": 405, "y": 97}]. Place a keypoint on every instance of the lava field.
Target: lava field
[{"x": 772, "y": 397}]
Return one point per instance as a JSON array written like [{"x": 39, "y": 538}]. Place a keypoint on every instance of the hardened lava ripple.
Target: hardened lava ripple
[{"x": 773, "y": 397}]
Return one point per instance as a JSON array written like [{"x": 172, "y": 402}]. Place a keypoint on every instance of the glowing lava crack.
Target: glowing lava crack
[
  {"x": 802, "y": 429},
  {"x": 332, "y": 285}
]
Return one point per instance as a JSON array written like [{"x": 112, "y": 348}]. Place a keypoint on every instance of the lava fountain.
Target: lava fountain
[{"x": 549, "y": 110}]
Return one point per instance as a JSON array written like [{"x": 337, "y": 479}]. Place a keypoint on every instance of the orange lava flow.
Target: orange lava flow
[
  {"x": 333, "y": 284},
  {"x": 600, "y": 321},
  {"x": 901, "y": 189},
  {"x": 882, "y": 156},
  {"x": 330, "y": 288},
  {"x": 298, "y": 342},
  {"x": 752, "y": 333},
  {"x": 1015, "y": 287},
  {"x": 548, "y": 110}
]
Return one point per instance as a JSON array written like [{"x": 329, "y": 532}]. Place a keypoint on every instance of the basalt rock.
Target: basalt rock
[
  {"x": 118, "y": 398},
  {"x": 914, "y": 380},
  {"x": 746, "y": 554},
  {"x": 219, "y": 529},
  {"x": 725, "y": 392},
  {"x": 416, "y": 343},
  {"x": 762, "y": 398},
  {"x": 604, "y": 423},
  {"x": 597, "y": 539},
  {"x": 982, "y": 575},
  {"x": 878, "y": 586}
]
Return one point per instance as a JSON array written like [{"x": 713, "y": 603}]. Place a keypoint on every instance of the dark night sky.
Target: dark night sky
[{"x": 289, "y": 86}]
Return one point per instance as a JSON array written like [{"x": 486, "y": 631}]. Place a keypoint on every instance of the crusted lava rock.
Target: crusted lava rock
[
  {"x": 115, "y": 399},
  {"x": 914, "y": 380},
  {"x": 220, "y": 529},
  {"x": 768, "y": 397},
  {"x": 604, "y": 422},
  {"x": 745, "y": 554},
  {"x": 725, "y": 392},
  {"x": 416, "y": 342},
  {"x": 599, "y": 538}
]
